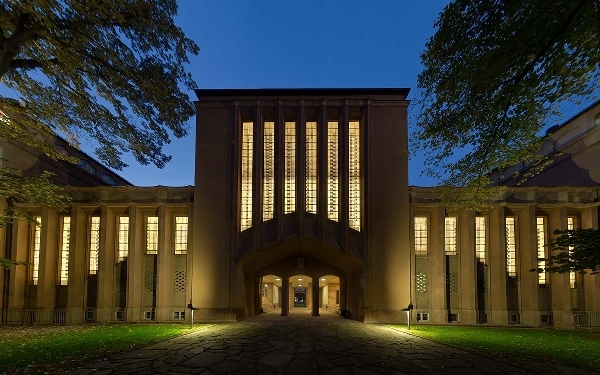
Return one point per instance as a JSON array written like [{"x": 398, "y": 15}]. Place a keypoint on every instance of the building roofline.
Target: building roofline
[
  {"x": 572, "y": 118},
  {"x": 303, "y": 91}
]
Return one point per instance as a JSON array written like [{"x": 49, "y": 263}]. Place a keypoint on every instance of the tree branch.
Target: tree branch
[{"x": 29, "y": 63}]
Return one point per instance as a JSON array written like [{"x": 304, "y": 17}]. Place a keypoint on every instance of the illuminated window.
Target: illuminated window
[
  {"x": 421, "y": 236},
  {"x": 64, "y": 250},
  {"x": 246, "y": 202},
  {"x": 311, "y": 167},
  {"x": 511, "y": 247},
  {"x": 332, "y": 171},
  {"x": 94, "y": 243},
  {"x": 269, "y": 171},
  {"x": 289, "y": 204},
  {"x": 541, "y": 251},
  {"x": 480, "y": 238},
  {"x": 123, "y": 238},
  {"x": 354, "y": 175},
  {"x": 37, "y": 243},
  {"x": 571, "y": 226},
  {"x": 181, "y": 234},
  {"x": 152, "y": 235},
  {"x": 450, "y": 236}
]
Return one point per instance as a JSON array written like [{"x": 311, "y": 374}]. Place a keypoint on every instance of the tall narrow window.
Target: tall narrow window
[
  {"x": 541, "y": 251},
  {"x": 311, "y": 167},
  {"x": 571, "y": 226},
  {"x": 123, "y": 238},
  {"x": 480, "y": 245},
  {"x": 354, "y": 174},
  {"x": 511, "y": 247},
  {"x": 94, "y": 243},
  {"x": 450, "y": 236},
  {"x": 181, "y": 234},
  {"x": 246, "y": 202},
  {"x": 289, "y": 204},
  {"x": 152, "y": 235},
  {"x": 268, "y": 170},
  {"x": 421, "y": 235},
  {"x": 332, "y": 171},
  {"x": 65, "y": 239},
  {"x": 37, "y": 243}
]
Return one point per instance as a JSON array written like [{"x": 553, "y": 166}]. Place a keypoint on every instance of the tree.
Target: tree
[
  {"x": 578, "y": 251},
  {"x": 494, "y": 72},
  {"x": 112, "y": 71}
]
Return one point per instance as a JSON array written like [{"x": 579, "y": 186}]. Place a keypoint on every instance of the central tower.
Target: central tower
[{"x": 301, "y": 181}]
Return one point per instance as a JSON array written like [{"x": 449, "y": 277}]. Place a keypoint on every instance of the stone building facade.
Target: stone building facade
[{"x": 301, "y": 201}]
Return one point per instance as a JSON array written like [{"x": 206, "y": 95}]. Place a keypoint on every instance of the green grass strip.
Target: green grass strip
[
  {"x": 569, "y": 347},
  {"x": 39, "y": 346}
]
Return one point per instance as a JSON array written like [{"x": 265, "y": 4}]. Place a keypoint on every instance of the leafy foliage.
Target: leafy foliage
[
  {"x": 111, "y": 71},
  {"x": 108, "y": 69},
  {"x": 578, "y": 251},
  {"x": 494, "y": 72}
]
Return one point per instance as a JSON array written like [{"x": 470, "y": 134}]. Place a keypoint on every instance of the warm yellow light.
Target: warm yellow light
[
  {"x": 323, "y": 279},
  {"x": 299, "y": 279},
  {"x": 277, "y": 279}
]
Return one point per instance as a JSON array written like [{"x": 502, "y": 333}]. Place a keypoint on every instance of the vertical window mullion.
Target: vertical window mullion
[
  {"x": 571, "y": 226},
  {"x": 480, "y": 238},
  {"x": 123, "y": 244},
  {"x": 421, "y": 243},
  {"x": 152, "y": 235},
  {"x": 450, "y": 236},
  {"x": 181, "y": 234}
]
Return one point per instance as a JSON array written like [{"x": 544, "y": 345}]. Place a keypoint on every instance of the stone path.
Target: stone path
[{"x": 301, "y": 344}]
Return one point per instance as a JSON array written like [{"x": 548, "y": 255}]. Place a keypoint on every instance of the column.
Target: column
[
  {"x": 77, "y": 265},
  {"x": 497, "y": 264},
  {"x": 48, "y": 269},
  {"x": 467, "y": 267},
  {"x": 439, "y": 310},
  {"x": 315, "y": 297},
  {"x": 285, "y": 295},
  {"x": 4, "y": 253},
  {"x": 591, "y": 283},
  {"x": 135, "y": 265},
  {"x": 164, "y": 265},
  {"x": 106, "y": 266},
  {"x": 20, "y": 276},
  {"x": 560, "y": 287},
  {"x": 526, "y": 260},
  {"x": 343, "y": 294}
]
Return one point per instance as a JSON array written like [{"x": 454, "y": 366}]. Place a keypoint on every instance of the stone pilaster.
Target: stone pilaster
[
  {"x": 560, "y": 288},
  {"x": 497, "y": 264},
  {"x": 439, "y": 310},
  {"x": 526, "y": 260},
  {"x": 591, "y": 283},
  {"x": 106, "y": 266},
  {"x": 77, "y": 265},
  {"x": 20, "y": 276},
  {"x": 467, "y": 268},
  {"x": 164, "y": 272},
  {"x": 285, "y": 295},
  {"x": 315, "y": 297},
  {"x": 48, "y": 268}
]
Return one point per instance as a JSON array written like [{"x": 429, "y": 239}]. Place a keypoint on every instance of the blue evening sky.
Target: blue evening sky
[{"x": 281, "y": 44}]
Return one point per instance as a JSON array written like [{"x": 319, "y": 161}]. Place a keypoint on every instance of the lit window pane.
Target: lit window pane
[
  {"x": 311, "y": 167},
  {"x": 541, "y": 251},
  {"x": 152, "y": 235},
  {"x": 511, "y": 247},
  {"x": 571, "y": 226},
  {"x": 289, "y": 204},
  {"x": 421, "y": 236},
  {"x": 450, "y": 236},
  {"x": 480, "y": 238},
  {"x": 246, "y": 193},
  {"x": 181, "y": 234},
  {"x": 354, "y": 175},
  {"x": 123, "y": 238},
  {"x": 64, "y": 250},
  {"x": 37, "y": 240},
  {"x": 332, "y": 171},
  {"x": 269, "y": 171},
  {"x": 94, "y": 243}
]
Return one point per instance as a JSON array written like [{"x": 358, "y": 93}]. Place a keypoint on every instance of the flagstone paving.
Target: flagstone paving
[{"x": 303, "y": 344}]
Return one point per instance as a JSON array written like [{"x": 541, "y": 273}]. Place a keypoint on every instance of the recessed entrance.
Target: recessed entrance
[
  {"x": 301, "y": 292},
  {"x": 270, "y": 294}
]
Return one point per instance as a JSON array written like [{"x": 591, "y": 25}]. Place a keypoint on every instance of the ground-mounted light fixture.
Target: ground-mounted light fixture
[{"x": 408, "y": 309}]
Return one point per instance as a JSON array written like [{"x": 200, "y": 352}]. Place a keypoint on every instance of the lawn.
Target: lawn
[
  {"x": 50, "y": 349},
  {"x": 569, "y": 347}
]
